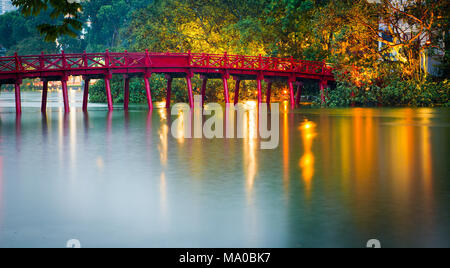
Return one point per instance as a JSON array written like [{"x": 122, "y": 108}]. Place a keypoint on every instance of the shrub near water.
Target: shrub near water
[{"x": 394, "y": 93}]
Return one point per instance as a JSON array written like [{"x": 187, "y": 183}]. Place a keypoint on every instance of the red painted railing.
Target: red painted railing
[
  {"x": 110, "y": 60},
  {"x": 102, "y": 65}
]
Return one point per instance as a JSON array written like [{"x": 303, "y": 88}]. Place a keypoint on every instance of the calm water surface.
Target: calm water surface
[{"x": 338, "y": 178}]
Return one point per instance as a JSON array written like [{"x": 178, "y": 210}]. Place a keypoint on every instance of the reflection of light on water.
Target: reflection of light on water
[
  {"x": 181, "y": 126},
  {"x": 163, "y": 133},
  {"x": 250, "y": 149},
  {"x": 160, "y": 104},
  {"x": 427, "y": 168},
  {"x": 250, "y": 169},
  {"x": 73, "y": 142},
  {"x": 163, "y": 114},
  {"x": 307, "y": 161},
  {"x": 285, "y": 106},
  {"x": 163, "y": 148},
  {"x": 72, "y": 96},
  {"x": 253, "y": 124},
  {"x": 100, "y": 163},
  {"x": 285, "y": 152},
  {"x": 163, "y": 193},
  {"x": 60, "y": 134}
]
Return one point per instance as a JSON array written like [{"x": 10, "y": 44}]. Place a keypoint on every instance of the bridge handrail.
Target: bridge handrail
[{"x": 74, "y": 61}]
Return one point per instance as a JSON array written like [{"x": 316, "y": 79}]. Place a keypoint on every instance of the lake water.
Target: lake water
[{"x": 339, "y": 178}]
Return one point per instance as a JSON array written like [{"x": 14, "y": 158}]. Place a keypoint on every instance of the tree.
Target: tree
[{"x": 65, "y": 16}]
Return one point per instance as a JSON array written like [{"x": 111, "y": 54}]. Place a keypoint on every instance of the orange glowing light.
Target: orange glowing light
[{"x": 307, "y": 161}]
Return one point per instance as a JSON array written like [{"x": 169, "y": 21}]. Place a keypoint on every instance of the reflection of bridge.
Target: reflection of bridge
[{"x": 174, "y": 65}]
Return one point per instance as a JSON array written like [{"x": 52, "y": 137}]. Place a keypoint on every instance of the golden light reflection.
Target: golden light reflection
[
  {"x": 307, "y": 160},
  {"x": 163, "y": 151},
  {"x": 285, "y": 152},
  {"x": 250, "y": 164},
  {"x": 285, "y": 106},
  {"x": 160, "y": 105},
  {"x": 427, "y": 162},
  {"x": 163, "y": 137},
  {"x": 181, "y": 126}
]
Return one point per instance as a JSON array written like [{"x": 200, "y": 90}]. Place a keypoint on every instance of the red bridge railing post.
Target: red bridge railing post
[
  {"x": 18, "y": 65},
  {"x": 41, "y": 61},
  {"x": 85, "y": 60},
  {"x": 189, "y": 58},
  {"x": 147, "y": 58},
  {"x": 260, "y": 62},
  {"x": 63, "y": 60},
  {"x": 225, "y": 60},
  {"x": 107, "y": 60}
]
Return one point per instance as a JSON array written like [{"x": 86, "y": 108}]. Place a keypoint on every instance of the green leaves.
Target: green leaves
[{"x": 65, "y": 17}]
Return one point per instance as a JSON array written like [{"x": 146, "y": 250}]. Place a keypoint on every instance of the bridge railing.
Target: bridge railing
[
  {"x": 259, "y": 63},
  {"x": 63, "y": 61}
]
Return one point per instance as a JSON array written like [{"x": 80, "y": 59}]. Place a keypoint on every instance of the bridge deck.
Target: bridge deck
[{"x": 57, "y": 67}]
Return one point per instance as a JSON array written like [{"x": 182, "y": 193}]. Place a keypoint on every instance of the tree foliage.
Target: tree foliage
[{"x": 380, "y": 37}]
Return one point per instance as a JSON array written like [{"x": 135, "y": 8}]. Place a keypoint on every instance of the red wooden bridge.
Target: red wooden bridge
[{"x": 59, "y": 67}]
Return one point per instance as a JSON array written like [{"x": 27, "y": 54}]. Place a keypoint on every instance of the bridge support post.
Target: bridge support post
[
  {"x": 299, "y": 93},
  {"x": 86, "y": 94},
  {"x": 44, "y": 95},
  {"x": 108, "y": 93},
  {"x": 148, "y": 91},
  {"x": 126, "y": 92},
  {"x": 236, "y": 91},
  {"x": 269, "y": 91},
  {"x": 205, "y": 81},
  {"x": 17, "y": 96},
  {"x": 169, "y": 90},
  {"x": 225, "y": 88},
  {"x": 259, "y": 90},
  {"x": 65, "y": 94},
  {"x": 190, "y": 92},
  {"x": 291, "y": 92}
]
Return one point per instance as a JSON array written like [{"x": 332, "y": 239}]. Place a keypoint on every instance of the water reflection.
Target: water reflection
[
  {"x": 356, "y": 174},
  {"x": 307, "y": 161},
  {"x": 250, "y": 149}
]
